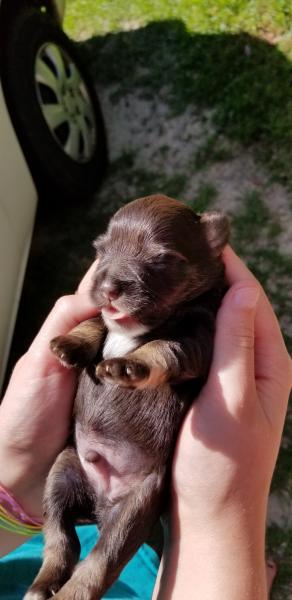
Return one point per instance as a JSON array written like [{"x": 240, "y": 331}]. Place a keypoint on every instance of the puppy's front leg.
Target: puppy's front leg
[
  {"x": 161, "y": 361},
  {"x": 80, "y": 346}
]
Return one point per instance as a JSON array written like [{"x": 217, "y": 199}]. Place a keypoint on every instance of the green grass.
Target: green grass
[
  {"x": 204, "y": 198},
  {"x": 255, "y": 235},
  {"x": 255, "y": 16},
  {"x": 211, "y": 54},
  {"x": 280, "y": 547},
  {"x": 214, "y": 149},
  {"x": 254, "y": 215},
  {"x": 146, "y": 182}
]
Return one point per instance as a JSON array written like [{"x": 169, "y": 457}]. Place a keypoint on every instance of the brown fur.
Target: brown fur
[
  {"x": 161, "y": 264},
  {"x": 81, "y": 344}
]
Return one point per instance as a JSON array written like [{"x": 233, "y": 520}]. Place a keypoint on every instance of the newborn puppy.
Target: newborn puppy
[{"x": 158, "y": 284}]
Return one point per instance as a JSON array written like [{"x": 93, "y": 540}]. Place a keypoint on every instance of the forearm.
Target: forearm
[{"x": 226, "y": 562}]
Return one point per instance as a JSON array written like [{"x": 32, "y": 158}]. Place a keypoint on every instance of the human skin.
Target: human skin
[
  {"x": 36, "y": 410},
  {"x": 218, "y": 510},
  {"x": 226, "y": 454}
]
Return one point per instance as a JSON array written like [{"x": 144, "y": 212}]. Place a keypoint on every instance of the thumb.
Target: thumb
[
  {"x": 233, "y": 358},
  {"x": 67, "y": 313}
]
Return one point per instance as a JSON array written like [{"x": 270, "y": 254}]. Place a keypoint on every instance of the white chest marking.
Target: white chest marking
[{"x": 118, "y": 344}]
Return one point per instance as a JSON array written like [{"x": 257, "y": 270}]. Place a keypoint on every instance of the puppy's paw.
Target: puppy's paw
[
  {"x": 71, "y": 351},
  {"x": 123, "y": 371},
  {"x": 77, "y": 590},
  {"x": 31, "y": 595},
  {"x": 39, "y": 592}
]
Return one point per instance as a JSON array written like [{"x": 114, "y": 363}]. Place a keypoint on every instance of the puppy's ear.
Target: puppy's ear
[
  {"x": 99, "y": 244},
  {"x": 217, "y": 230}
]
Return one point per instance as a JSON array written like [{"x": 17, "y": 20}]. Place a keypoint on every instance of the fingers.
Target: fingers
[
  {"x": 266, "y": 324},
  {"x": 233, "y": 358},
  {"x": 249, "y": 351},
  {"x": 271, "y": 356},
  {"x": 235, "y": 269},
  {"x": 68, "y": 312},
  {"x": 86, "y": 283}
]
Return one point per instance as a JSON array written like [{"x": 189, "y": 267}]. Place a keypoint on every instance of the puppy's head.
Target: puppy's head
[{"x": 156, "y": 254}]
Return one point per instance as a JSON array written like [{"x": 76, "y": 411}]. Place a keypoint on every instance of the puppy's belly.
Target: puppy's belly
[{"x": 112, "y": 468}]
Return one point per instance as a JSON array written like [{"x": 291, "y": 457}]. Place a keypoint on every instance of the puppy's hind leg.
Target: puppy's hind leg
[
  {"x": 65, "y": 494},
  {"x": 124, "y": 528}
]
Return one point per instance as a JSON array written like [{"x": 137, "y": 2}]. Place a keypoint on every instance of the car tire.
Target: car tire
[{"x": 54, "y": 107}]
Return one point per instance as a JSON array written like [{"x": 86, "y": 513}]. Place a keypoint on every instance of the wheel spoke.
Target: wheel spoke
[
  {"x": 54, "y": 114},
  {"x": 74, "y": 78},
  {"x": 44, "y": 74},
  {"x": 85, "y": 108},
  {"x": 73, "y": 107},
  {"x": 86, "y": 137},
  {"x": 72, "y": 144},
  {"x": 57, "y": 59}
]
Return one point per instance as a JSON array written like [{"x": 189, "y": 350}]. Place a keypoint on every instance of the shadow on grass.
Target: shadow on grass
[{"x": 246, "y": 81}]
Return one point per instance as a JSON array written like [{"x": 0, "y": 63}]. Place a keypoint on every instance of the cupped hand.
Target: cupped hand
[
  {"x": 229, "y": 442},
  {"x": 35, "y": 413}
]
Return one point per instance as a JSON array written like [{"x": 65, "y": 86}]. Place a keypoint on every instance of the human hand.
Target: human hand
[
  {"x": 35, "y": 413},
  {"x": 228, "y": 445},
  {"x": 226, "y": 453}
]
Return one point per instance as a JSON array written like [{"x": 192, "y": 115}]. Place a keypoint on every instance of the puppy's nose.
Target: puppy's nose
[{"x": 110, "y": 290}]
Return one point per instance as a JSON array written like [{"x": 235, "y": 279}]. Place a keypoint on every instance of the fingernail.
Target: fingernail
[{"x": 247, "y": 297}]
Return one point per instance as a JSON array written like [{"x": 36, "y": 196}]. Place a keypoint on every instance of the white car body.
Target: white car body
[{"x": 18, "y": 201}]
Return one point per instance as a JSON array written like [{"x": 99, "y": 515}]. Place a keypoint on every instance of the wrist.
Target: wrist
[
  {"x": 244, "y": 505},
  {"x": 17, "y": 477},
  {"x": 227, "y": 554},
  {"x": 16, "y": 525}
]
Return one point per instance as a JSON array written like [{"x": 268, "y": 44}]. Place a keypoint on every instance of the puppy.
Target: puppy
[{"x": 158, "y": 284}]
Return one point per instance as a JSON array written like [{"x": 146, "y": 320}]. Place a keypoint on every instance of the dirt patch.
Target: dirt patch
[
  {"x": 163, "y": 143},
  {"x": 159, "y": 141}
]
